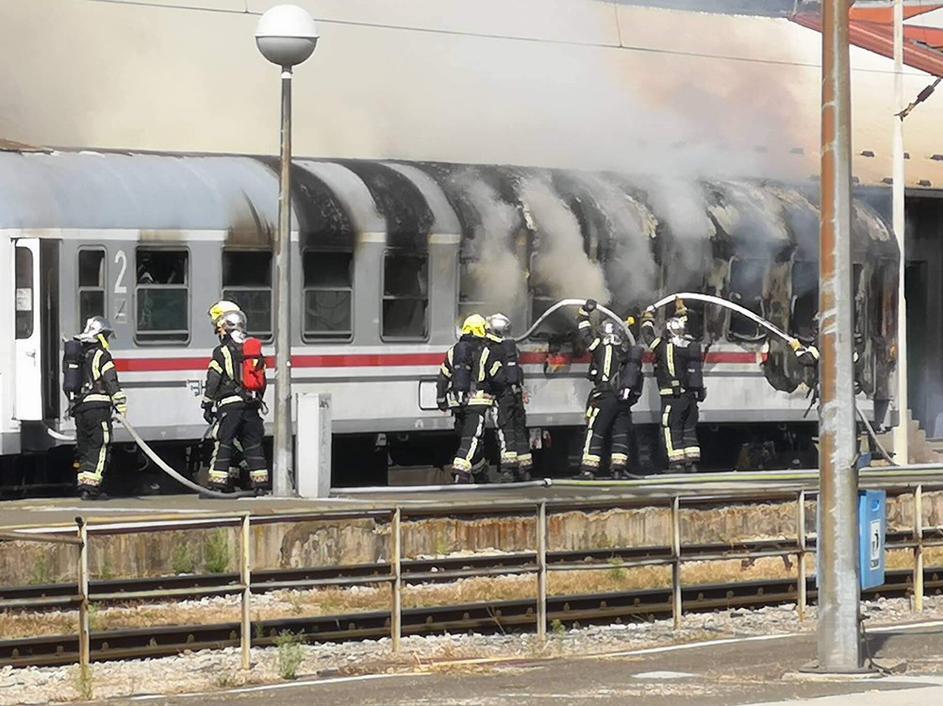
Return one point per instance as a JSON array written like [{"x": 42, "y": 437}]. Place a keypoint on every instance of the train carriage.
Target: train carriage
[{"x": 386, "y": 259}]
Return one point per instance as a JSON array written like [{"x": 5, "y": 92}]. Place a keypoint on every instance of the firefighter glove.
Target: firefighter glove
[
  {"x": 680, "y": 308},
  {"x": 702, "y": 394},
  {"x": 648, "y": 315},
  {"x": 209, "y": 416},
  {"x": 795, "y": 344},
  {"x": 120, "y": 401},
  {"x": 590, "y": 305},
  {"x": 442, "y": 403}
]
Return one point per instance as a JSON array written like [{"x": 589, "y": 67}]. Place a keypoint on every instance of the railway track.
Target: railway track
[{"x": 502, "y": 616}]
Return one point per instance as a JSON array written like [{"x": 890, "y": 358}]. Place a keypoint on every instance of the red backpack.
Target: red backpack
[{"x": 253, "y": 366}]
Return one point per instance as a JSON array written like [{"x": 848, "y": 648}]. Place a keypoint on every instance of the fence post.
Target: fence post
[
  {"x": 84, "y": 637},
  {"x": 676, "y": 565},
  {"x": 245, "y": 577},
  {"x": 542, "y": 571},
  {"x": 801, "y": 597},
  {"x": 918, "y": 548},
  {"x": 396, "y": 612}
]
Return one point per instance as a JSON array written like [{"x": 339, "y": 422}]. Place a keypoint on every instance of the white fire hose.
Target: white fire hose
[{"x": 574, "y": 302}]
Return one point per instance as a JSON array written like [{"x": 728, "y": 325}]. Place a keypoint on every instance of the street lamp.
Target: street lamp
[{"x": 286, "y": 36}]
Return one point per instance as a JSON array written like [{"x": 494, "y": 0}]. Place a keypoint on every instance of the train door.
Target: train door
[{"x": 36, "y": 329}]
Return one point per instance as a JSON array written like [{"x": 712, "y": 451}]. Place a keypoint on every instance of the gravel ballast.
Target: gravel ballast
[{"x": 217, "y": 670}]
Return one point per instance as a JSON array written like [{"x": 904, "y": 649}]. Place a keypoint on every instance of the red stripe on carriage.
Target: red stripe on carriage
[{"x": 374, "y": 360}]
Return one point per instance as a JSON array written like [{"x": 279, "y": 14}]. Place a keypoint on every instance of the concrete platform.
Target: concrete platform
[{"x": 719, "y": 673}]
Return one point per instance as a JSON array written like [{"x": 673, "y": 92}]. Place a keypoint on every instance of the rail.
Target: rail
[{"x": 540, "y": 563}]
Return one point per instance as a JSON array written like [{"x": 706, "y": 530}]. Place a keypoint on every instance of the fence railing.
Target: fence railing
[{"x": 674, "y": 555}]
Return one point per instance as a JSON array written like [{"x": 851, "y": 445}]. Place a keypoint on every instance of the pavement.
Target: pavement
[{"x": 755, "y": 670}]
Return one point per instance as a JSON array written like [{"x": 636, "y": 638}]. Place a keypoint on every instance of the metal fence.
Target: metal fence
[{"x": 675, "y": 554}]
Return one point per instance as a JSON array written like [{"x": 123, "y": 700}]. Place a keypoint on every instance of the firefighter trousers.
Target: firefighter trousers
[
  {"x": 679, "y": 417},
  {"x": 92, "y": 444},
  {"x": 240, "y": 424},
  {"x": 470, "y": 424},
  {"x": 510, "y": 422},
  {"x": 606, "y": 417}
]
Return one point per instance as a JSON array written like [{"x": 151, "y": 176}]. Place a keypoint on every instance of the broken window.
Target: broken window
[
  {"x": 91, "y": 284},
  {"x": 162, "y": 295},
  {"x": 805, "y": 299},
  {"x": 470, "y": 299},
  {"x": 405, "y": 296},
  {"x": 24, "y": 292},
  {"x": 247, "y": 281},
  {"x": 328, "y": 295},
  {"x": 746, "y": 289}
]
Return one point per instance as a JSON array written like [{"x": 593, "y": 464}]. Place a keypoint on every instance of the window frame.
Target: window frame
[
  {"x": 761, "y": 334},
  {"x": 384, "y": 297},
  {"x": 794, "y": 300},
  {"x": 224, "y": 289},
  {"x": 30, "y": 267},
  {"x": 325, "y": 337},
  {"x": 80, "y": 288},
  {"x": 170, "y": 247}
]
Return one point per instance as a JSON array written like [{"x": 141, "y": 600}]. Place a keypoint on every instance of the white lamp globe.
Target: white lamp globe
[{"x": 286, "y": 35}]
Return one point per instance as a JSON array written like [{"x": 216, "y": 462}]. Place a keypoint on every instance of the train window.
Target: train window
[
  {"x": 805, "y": 299},
  {"x": 328, "y": 294},
  {"x": 470, "y": 300},
  {"x": 162, "y": 295},
  {"x": 405, "y": 296},
  {"x": 247, "y": 281},
  {"x": 746, "y": 289},
  {"x": 24, "y": 292},
  {"x": 91, "y": 284}
]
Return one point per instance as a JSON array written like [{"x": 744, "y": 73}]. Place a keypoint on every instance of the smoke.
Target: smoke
[
  {"x": 497, "y": 278},
  {"x": 560, "y": 266},
  {"x": 631, "y": 271}
]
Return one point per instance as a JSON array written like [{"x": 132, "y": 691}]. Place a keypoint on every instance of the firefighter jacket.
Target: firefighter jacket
[
  {"x": 101, "y": 387},
  {"x": 671, "y": 361},
  {"x": 223, "y": 385},
  {"x": 505, "y": 350},
  {"x": 469, "y": 375},
  {"x": 607, "y": 356}
]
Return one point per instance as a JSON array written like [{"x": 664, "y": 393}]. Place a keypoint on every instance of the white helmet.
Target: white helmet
[
  {"x": 676, "y": 325},
  {"x": 220, "y": 308},
  {"x": 95, "y": 326},
  {"x": 499, "y": 325},
  {"x": 611, "y": 332},
  {"x": 234, "y": 323}
]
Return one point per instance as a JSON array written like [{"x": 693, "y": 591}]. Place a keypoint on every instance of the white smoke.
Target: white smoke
[
  {"x": 498, "y": 279},
  {"x": 560, "y": 266}
]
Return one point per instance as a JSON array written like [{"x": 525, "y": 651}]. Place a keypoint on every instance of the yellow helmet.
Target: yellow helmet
[
  {"x": 220, "y": 309},
  {"x": 475, "y": 325}
]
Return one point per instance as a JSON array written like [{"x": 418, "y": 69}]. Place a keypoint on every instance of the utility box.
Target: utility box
[
  {"x": 872, "y": 528},
  {"x": 313, "y": 445}
]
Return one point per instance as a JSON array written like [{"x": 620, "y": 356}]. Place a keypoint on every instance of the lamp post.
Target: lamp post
[{"x": 286, "y": 36}]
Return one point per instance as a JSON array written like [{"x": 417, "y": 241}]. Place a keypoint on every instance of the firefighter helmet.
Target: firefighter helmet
[
  {"x": 499, "y": 324},
  {"x": 219, "y": 309},
  {"x": 475, "y": 325},
  {"x": 234, "y": 323},
  {"x": 676, "y": 325},
  {"x": 95, "y": 327}
]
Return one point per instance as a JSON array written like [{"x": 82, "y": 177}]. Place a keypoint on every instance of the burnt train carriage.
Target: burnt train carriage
[{"x": 388, "y": 256}]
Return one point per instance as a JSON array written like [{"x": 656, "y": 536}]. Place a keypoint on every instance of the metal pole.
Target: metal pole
[
  {"x": 542, "y": 572},
  {"x": 801, "y": 597},
  {"x": 396, "y": 566},
  {"x": 84, "y": 638},
  {"x": 901, "y": 431},
  {"x": 676, "y": 606},
  {"x": 245, "y": 577},
  {"x": 918, "y": 548},
  {"x": 838, "y": 642},
  {"x": 282, "y": 483}
]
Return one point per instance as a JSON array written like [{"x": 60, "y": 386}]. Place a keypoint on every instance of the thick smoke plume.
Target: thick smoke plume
[{"x": 560, "y": 266}]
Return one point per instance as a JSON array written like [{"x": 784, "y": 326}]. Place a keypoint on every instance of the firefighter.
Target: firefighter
[
  {"x": 469, "y": 379},
  {"x": 678, "y": 372},
  {"x": 615, "y": 371},
  {"x": 93, "y": 405},
  {"x": 235, "y": 411},
  {"x": 509, "y": 412}
]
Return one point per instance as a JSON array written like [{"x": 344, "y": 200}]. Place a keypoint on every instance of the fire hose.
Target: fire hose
[
  {"x": 776, "y": 331},
  {"x": 158, "y": 461},
  {"x": 574, "y": 302}
]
